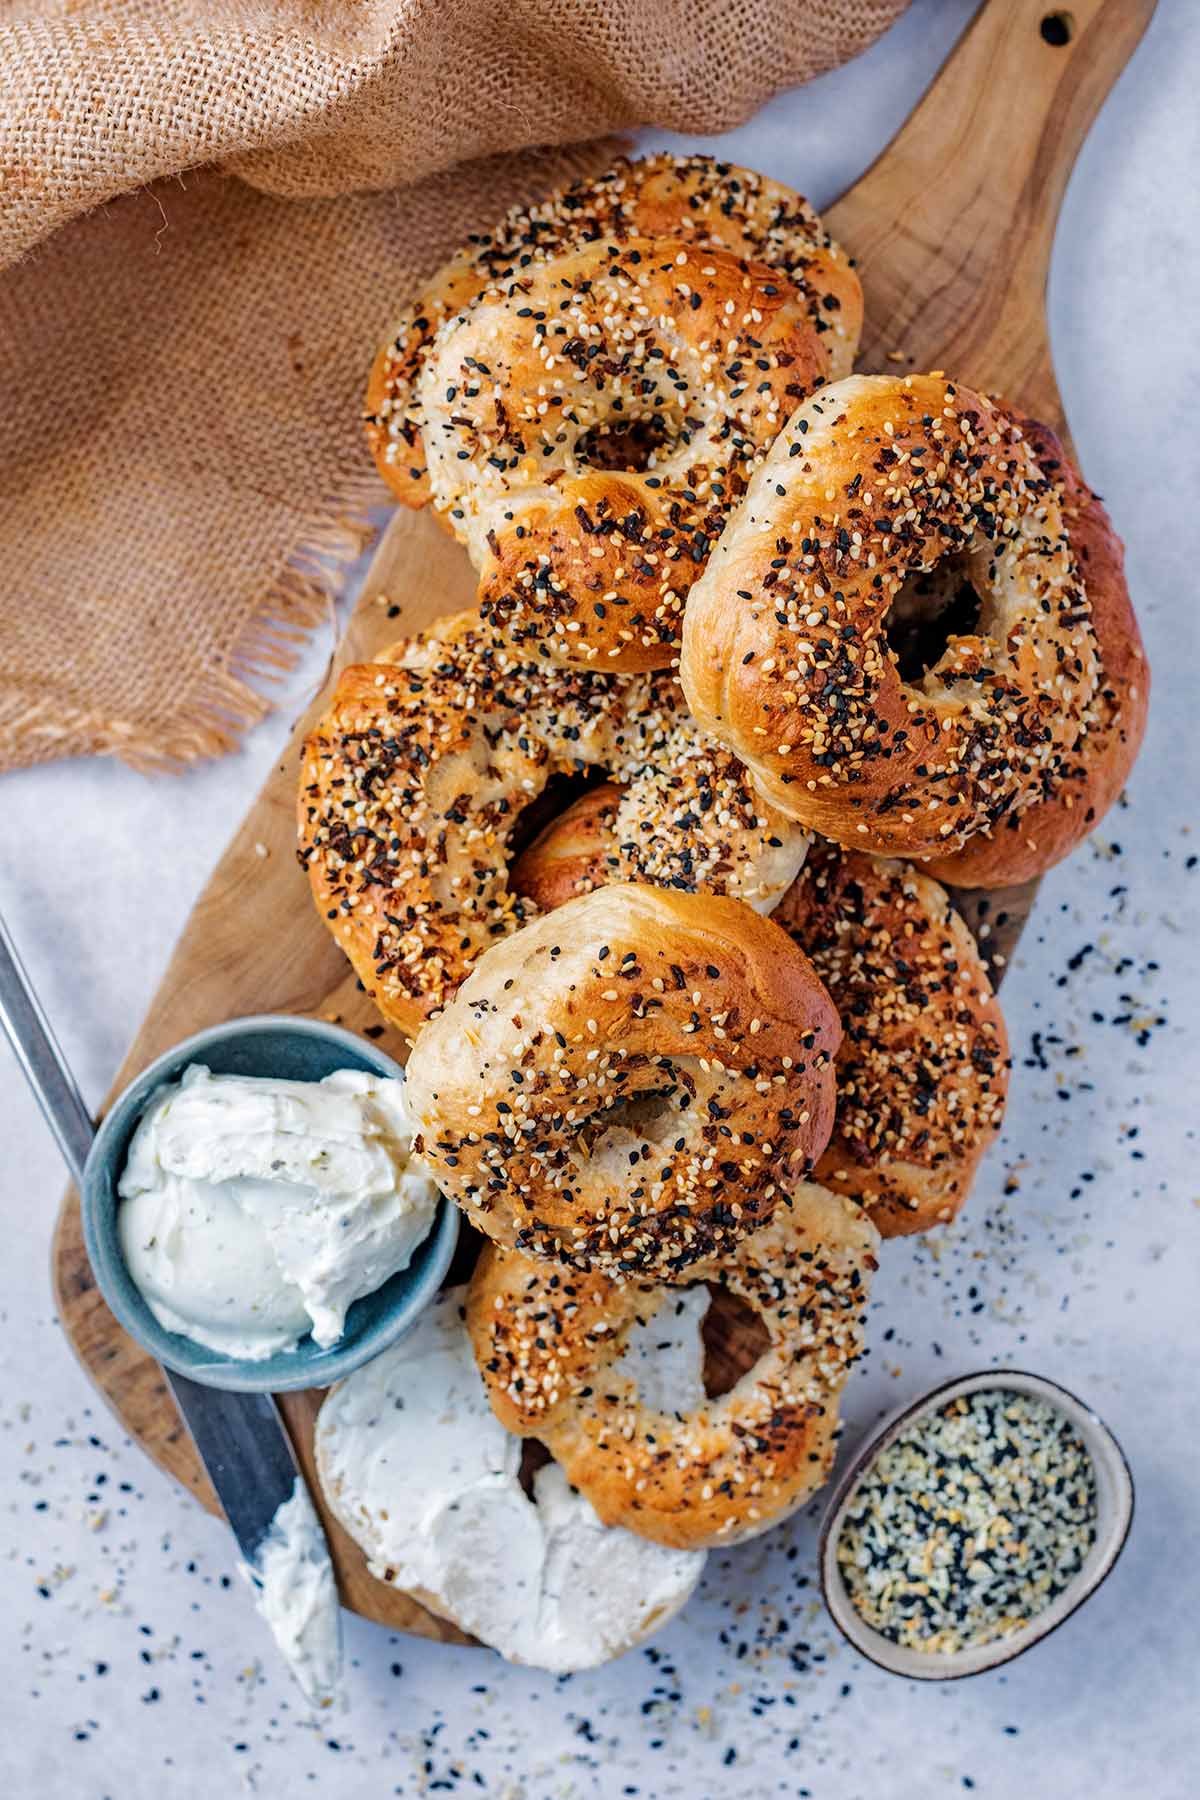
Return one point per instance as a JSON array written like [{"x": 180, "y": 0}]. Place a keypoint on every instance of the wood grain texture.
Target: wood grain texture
[{"x": 952, "y": 228}]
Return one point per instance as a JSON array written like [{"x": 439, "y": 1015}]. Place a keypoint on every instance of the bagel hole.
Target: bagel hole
[
  {"x": 649, "y": 1116},
  {"x": 534, "y": 1456},
  {"x": 734, "y": 1339},
  {"x": 652, "y": 1118},
  {"x": 931, "y": 608},
  {"x": 559, "y": 792},
  {"x": 625, "y": 446}
]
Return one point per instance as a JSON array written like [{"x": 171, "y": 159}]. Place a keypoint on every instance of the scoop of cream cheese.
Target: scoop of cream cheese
[
  {"x": 295, "y": 1592},
  {"x": 423, "y": 1475},
  {"x": 255, "y": 1210}
]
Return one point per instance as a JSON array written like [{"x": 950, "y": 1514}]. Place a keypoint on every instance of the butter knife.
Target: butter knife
[{"x": 240, "y": 1438}]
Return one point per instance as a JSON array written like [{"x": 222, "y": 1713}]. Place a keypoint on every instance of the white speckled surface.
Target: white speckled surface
[{"x": 131, "y": 1663}]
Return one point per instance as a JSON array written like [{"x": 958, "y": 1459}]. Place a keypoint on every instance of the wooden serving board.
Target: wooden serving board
[{"x": 952, "y": 228}]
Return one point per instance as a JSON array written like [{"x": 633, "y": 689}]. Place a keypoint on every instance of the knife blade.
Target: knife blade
[{"x": 240, "y": 1438}]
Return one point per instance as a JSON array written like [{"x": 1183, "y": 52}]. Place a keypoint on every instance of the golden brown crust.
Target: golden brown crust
[
  {"x": 922, "y": 1071},
  {"x": 1079, "y": 787},
  {"x": 697, "y": 347},
  {"x": 785, "y": 653},
  {"x": 557, "y": 1357},
  {"x": 414, "y": 780},
  {"x": 626, "y": 1084},
  {"x": 694, "y": 198},
  {"x": 923, "y": 1067},
  {"x": 409, "y": 788},
  {"x": 691, "y": 820}
]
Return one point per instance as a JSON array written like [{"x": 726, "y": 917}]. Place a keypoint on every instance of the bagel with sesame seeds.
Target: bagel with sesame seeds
[
  {"x": 696, "y": 199},
  {"x": 1078, "y": 787},
  {"x": 415, "y": 779},
  {"x": 674, "y": 365},
  {"x": 922, "y": 1071},
  {"x": 690, "y": 820},
  {"x": 629, "y": 1084},
  {"x": 876, "y": 483},
  {"x": 609, "y": 1377}
]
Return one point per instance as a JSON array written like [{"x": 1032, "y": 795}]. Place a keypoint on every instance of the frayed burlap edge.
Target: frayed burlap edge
[{"x": 228, "y": 699}]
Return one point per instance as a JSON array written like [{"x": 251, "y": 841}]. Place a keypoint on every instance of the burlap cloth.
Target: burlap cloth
[{"x": 209, "y": 213}]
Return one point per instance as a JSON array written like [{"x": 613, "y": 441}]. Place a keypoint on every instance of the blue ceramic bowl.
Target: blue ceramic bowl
[{"x": 296, "y": 1050}]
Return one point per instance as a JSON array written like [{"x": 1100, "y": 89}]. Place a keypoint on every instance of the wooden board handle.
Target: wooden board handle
[{"x": 966, "y": 196}]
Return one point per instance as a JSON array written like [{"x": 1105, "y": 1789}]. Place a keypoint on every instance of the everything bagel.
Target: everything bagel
[
  {"x": 875, "y": 482},
  {"x": 1077, "y": 788},
  {"x": 609, "y": 1377},
  {"x": 526, "y": 392},
  {"x": 625, "y": 1085},
  {"x": 413, "y": 782},
  {"x": 415, "y": 1465},
  {"x": 693, "y": 198},
  {"x": 922, "y": 1071}
]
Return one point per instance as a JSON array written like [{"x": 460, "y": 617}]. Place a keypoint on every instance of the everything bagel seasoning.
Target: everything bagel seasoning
[{"x": 970, "y": 1523}]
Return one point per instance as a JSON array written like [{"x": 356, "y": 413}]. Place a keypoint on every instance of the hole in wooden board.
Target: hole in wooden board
[
  {"x": 734, "y": 1338},
  {"x": 1057, "y": 29}
]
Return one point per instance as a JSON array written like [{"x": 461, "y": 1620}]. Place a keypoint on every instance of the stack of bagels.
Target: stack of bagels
[{"x": 769, "y": 650}]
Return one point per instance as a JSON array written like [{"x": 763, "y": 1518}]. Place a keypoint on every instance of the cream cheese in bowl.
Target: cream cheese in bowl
[{"x": 254, "y": 1211}]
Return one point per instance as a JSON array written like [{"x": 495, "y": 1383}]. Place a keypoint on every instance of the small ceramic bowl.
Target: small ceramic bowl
[
  {"x": 295, "y": 1050},
  {"x": 1114, "y": 1516}
]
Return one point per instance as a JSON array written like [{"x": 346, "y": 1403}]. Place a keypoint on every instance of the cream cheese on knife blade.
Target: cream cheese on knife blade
[
  {"x": 255, "y": 1210},
  {"x": 295, "y": 1592}
]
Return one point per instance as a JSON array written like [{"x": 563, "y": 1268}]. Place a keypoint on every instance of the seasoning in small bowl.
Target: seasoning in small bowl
[{"x": 972, "y": 1524}]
